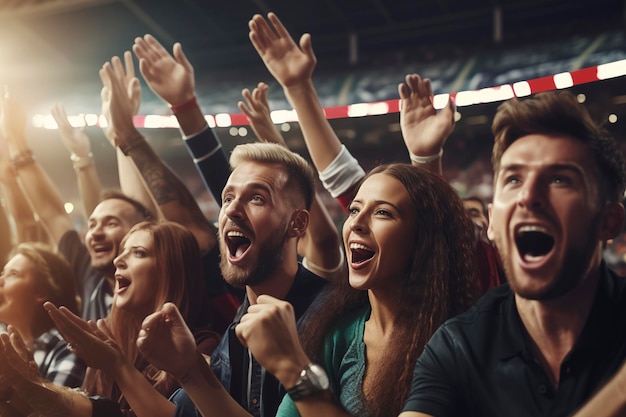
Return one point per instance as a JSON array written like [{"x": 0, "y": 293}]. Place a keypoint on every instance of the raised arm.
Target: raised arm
[
  {"x": 131, "y": 180},
  {"x": 424, "y": 130},
  {"x": 16, "y": 206},
  {"x": 76, "y": 141},
  {"x": 292, "y": 66},
  {"x": 320, "y": 246},
  {"x": 257, "y": 110},
  {"x": 171, "y": 77},
  {"x": 40, "y": 190},
  {"x": 174, "y": 199}
]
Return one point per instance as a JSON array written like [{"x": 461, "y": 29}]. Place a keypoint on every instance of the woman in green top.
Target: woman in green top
[{"x": 409, "y": 250}]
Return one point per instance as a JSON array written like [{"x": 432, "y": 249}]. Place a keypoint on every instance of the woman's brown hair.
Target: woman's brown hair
[
  {"x": 440, "y": 283},
  {"x": 180, "y": 280}
]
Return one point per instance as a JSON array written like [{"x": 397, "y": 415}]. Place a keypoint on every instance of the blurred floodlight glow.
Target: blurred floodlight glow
[
  {"x": 612, "y": 118},
  {"x": 283, "y": 116},
  {"x": 563, "y": 80},
  {"x": 102, "y": 121},
  {"x": 91, "y": 119},
  {"x": 233, "y": 131},
  {"x": 69, "y": 208},
  {"x": 38, "y": 120},
  {"x": 466, "y": 98},
  {"x": 489, "y": 95},
  {"x": 522, "y": 89},
  {"x": 378, "y": 108},
  {"x": 210, "y": 121},
  {"x": 77, "y": 121},
  {"x": 440, "y": 101},
  {"x": 243, "y": 132},
  {"x": 612, "y": 69},
  {"x": 285, "y": 127},
  {"x": 223, "y": 120},
  {"x": 159, "y": 122},
  {"x": 357, "y": 110},
  {"x": 49, "y": 122}
]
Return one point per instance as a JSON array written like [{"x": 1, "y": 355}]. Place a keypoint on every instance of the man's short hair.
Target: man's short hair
[
  {"x": 301, "y": 177},
  {"x": 559, "y": 113},
  {"x": 142, "y": 211},
  {"x": 483, "y": 207}
]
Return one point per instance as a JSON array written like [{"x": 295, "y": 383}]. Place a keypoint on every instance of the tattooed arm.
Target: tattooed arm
[{"x": 174, "y": 200}]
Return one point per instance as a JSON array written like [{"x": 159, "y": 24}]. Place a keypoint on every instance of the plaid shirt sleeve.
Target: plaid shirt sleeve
[{"x": 56, "y": 361}]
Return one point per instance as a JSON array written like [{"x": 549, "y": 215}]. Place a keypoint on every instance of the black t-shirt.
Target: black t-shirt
[
  {"x": 480, "y": 364},
  {"x": 92, "y": 285}
]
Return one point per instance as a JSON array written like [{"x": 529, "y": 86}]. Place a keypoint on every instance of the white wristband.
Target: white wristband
[
  {"x": 342, "y": 173},
  {"x": 425, "y": 159}
]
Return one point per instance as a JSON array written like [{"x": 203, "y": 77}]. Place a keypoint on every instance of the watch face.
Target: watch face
[{"x": 317, "y": 376}]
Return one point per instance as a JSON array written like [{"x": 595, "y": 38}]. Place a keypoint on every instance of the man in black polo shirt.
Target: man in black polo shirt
[{"x": 545, "y": 342}]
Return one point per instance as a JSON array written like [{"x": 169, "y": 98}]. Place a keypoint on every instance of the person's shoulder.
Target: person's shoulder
[
  {"x": 69, "y": 239},
  {"x": 306, "y": 279},
  {"x": 490, "y": 308},
  {"x": 617, "y": 281},
  {"x": 305, "y": 290},
  {"x": 612, "y": 292}
]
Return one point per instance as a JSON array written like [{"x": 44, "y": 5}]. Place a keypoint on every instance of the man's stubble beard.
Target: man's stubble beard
[
  {"x": 269, "y": 257},
  {"x": 570, "y": 274}
]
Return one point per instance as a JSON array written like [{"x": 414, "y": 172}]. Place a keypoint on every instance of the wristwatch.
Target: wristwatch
[{"x": 312, "y": 380}]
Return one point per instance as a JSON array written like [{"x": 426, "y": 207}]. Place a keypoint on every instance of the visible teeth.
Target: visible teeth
[
  {"x": 234, "y": 233},
  {"x": 358, "y": 246},
  {"x": 532, "y": 228}
]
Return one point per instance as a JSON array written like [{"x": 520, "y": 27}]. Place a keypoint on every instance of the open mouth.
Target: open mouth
[
  {"x": 122, "y": 282},
  {"x": 533, "y": 242},
  {"x": 360, "y": 253},
  {"x": 101, "y": 248},
  {"x": 237, "y": 243}
]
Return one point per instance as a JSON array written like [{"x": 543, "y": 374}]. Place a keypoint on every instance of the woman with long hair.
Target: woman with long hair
[
  {"x": 411, "y": 266},
  {"x": 158, "y": 263}
]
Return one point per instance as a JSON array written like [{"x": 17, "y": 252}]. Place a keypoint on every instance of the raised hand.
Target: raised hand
[
  {"x": 26, "y": 364},
  {"x": 268, "y": 329},
  {"x": 257, "y": 109},
  {"x": 166, "y": 341},
  {"x": 74, "y": 139},
  {"x": 93, "y": 345},
  {"x": 121, "y": 97},
  {"x": 12, "y": 124},
  {"x": 32, "y": 395},
  {"x": 119, "y": 102},
  {"x": 424, "y": 130},
  {"x": 6, "y": 169},
  {"x": 288, "y": 63},
  {"x": 18, "y": 371},
  {"x": 169, "y": 77}
]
